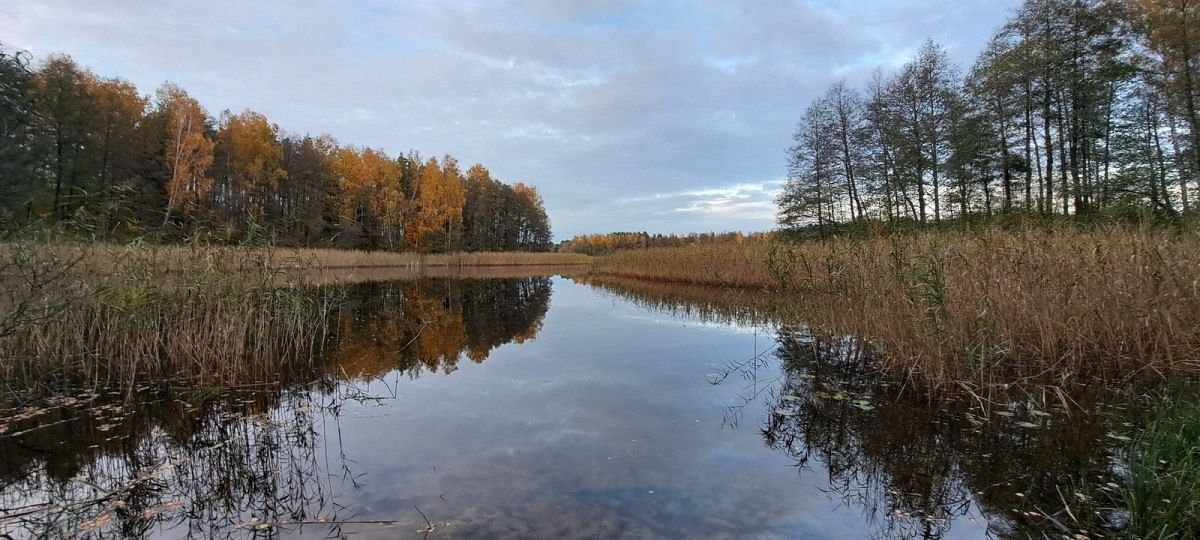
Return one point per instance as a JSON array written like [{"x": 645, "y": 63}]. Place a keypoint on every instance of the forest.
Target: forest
[
  {"x": 601, "y": 244},
  {"x": 93, "y": 152},
  {"x": 1074, "y": 107}
]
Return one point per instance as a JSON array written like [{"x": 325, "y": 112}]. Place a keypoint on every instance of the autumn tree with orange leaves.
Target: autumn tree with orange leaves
[
  {"x": 189, "y": 152},
  {"x": 81, "y": 147}
]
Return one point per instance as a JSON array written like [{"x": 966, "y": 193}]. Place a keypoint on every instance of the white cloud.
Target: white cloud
[{"x": 616, "y": 110}]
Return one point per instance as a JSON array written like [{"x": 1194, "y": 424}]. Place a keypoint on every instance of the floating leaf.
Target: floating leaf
[{"x": 863, "y": 404}]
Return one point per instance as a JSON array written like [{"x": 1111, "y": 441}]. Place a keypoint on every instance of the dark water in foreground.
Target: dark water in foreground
[{"x": 545, "y": 407}]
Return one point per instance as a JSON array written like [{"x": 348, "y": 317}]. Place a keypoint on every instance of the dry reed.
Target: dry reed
[
  {"x": 104, "y": 257},
  {"x": 212, "y": 321},
  {"x": 988, "y": 307}
]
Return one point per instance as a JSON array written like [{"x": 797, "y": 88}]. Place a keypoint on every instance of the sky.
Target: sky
[{"x": 665, "y": 116}]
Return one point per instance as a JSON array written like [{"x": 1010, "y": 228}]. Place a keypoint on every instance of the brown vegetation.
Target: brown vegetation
[
  {"x": 992, "y": 306},
  {"x": 211, "y": 314},
  {"x": 105, "y": 258},
  {"x": 214, "y": 320}
]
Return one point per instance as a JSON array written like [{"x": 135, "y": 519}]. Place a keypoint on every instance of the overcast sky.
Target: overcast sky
[{"x": 665, "y": 116}]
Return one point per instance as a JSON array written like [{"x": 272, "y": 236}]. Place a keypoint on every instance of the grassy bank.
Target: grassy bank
[
  {"x": 105, "y": 257},
  {"x": 991, "y": 306}
]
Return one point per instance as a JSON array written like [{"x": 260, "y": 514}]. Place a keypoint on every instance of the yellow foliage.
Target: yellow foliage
[
  {"x": 189, "y": 153},
  {"x": 255, "y": 158}
]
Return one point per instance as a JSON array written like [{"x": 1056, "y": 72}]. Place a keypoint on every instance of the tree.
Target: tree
[
  {"x": 809, "y": 192},
  {"x": 534, "y": 228},
  {"x": 120, "y": 111},
  {"x": 1170, "y": 30},
  {"x": 75, "y": 145},
  {"x": 308, "y": 197},
  {"x": 189, "y": 153},
  {"x": 18, "y": 136},
  {"x": 1070, "y": 109},
  {"x": 440, "y": 199},
  {"x": 249, "y": 165},
  {"x": 845, "y": 108},
  {"x": 68, "y": 113},
  {"x": 372, "y": 195}
]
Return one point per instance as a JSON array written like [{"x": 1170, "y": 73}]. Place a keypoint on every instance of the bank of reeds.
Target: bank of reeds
[
  {"x": 106, "y": 257},
  {"x": 713, "y": 304},
  {"x": 73, "y": 319},
  {"x": 987, "y": 307}
]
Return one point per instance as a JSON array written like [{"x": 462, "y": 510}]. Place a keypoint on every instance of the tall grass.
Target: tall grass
[
  {"x": 121, "y": 320},
  {"x": 108, "y": 257},
  {"x": 723, "y": 305},
  {"x": 369, "y": 274},
  {"x": 1163, "y": 489},
  {"x": 985, "y": 307}
]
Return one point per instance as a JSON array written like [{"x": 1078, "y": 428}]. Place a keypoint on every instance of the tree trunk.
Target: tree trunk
[{"x": 1028, "y": 150}]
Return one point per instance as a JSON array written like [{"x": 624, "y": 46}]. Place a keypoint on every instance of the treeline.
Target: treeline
[
  {"x": 600, "y": 244},
  {"x": 78, "y": 147},
  {"x": 1074, "y": 107}
]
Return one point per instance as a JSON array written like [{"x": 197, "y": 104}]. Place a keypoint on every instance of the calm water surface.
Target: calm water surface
[{"x": 541, "y": 407}]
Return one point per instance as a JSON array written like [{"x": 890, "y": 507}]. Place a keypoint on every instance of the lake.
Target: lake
[{"x": 550, "y": 406}]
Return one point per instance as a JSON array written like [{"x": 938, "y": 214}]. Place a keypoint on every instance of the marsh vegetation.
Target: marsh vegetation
[{"x": 986, "y": 307}]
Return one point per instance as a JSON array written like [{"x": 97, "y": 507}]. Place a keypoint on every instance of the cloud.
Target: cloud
[
  {"x": 743, "y": 201},
  {"x": 594, "y": 102}
]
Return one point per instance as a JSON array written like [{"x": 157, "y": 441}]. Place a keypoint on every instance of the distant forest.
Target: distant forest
[
  {"x": 95, "y": 153},
  {"x": 601, "y": 244},
  {"x": 1075, "y": 107}
]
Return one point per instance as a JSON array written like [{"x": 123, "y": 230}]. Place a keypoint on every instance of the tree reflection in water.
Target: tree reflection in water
[
  {"x": 182, "y": 460},
  {"x": 914, "y": 465},
  {"x": 918, "y": 466},
  {"x": 426, "y": 326}
]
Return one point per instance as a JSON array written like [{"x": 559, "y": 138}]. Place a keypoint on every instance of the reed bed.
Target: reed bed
[
  {"x": 105, "y": 258},
  {"x": 988, "y": 307},
  {"x": 212, "y": 321},
  {"x": 729, "y": 264},
  {"x": 710, "y": 304},
  {"x": 371, "y": 274}
]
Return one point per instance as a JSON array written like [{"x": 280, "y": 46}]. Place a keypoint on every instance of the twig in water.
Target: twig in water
[{"x": 428, "y": 526}]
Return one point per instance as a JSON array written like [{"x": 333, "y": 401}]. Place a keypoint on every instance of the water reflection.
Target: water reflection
[
  {"x": 592, "y": 419},
  {"x": 720, "y": 305},
  {"x": 913, "y": 466},
  {"x": 181, "y": 460},
  {"x": 427, "y": 325},
  {"x": 171, "y": 459}
]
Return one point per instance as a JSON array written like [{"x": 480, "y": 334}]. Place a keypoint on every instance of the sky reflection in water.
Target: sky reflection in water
[{"x": 500, "y": 409}]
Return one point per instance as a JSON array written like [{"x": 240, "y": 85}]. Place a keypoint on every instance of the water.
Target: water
[{"x": 547, "y": 407}]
